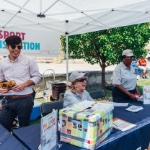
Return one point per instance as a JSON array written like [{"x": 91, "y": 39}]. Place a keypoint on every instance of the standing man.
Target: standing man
[
  {"x": 18, "y": 100},
  {"x": 124, "y": 79}
]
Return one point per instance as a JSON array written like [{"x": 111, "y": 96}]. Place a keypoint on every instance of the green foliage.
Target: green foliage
[{"x": 105, "y": 47}]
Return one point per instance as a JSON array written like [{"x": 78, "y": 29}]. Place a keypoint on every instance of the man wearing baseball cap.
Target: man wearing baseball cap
[
  {"x": 124, "y": 79},
  {"x": 76, "y": 91},
  {"x": 128, "y": 52}
]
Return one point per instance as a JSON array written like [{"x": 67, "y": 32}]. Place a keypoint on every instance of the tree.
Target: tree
[{"x": 105, "y": 47}]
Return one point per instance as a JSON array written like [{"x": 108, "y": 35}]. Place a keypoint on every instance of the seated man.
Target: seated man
[
  {"x": 76, "y": 92},
  {"x": 142, "y": 63},
  {"x": 138, "y": 70}
]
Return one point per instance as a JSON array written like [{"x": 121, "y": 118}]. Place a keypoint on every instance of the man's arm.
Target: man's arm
[
  {"x": 20, "y": 87},
  {"x": 34, "y": 74},
  {"x": 137, "y": 91}
]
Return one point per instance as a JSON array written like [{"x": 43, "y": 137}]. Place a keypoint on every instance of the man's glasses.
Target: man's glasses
[
  {"x": 81, "y": 80},
  {"x": 14, "y": 46},
  {"x": 131, "y": 57}
]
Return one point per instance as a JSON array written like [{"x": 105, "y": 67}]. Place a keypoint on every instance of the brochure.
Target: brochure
[
  {"x": 122, "y": 124},
  {"x": 49, "y": 131},
  {"x": 134, "y": 108},
  {"x": 146, "y": 94}
]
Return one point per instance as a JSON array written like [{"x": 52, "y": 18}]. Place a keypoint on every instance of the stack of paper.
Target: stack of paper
[
  {"x": 122, "y": 125},
  {"x": 134, "y": 108}
]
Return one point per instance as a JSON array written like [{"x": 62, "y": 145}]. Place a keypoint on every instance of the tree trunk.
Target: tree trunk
[{"x": 103, "y": 78}]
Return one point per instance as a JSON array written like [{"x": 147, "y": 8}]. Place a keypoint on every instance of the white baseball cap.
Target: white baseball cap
[
  {"x": 76, "y": 75},
  {"x": 127, "y": 52}
]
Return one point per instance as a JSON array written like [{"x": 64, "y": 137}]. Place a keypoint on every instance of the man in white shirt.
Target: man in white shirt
[
  {"x": 18, "y": 100},
  {"x": 124, "y": 79}
]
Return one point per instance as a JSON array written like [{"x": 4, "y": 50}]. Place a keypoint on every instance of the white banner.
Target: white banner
[
  {"x": 35, "y": 42},
  {"x": 146, "y": 94},
  {"x": 49, "y": 131}
]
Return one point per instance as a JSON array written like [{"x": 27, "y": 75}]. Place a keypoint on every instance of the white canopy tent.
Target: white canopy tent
[{"x": 70, "y": 17}]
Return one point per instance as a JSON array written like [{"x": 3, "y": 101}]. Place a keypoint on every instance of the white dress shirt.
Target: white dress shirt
[{"x": 22, "y": 69}]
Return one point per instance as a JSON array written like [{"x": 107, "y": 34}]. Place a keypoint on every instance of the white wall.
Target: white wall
[{"x": 35, "y": 42}]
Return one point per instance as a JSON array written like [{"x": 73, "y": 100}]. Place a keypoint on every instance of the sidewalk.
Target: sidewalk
[{"x": 61, "y": 68}]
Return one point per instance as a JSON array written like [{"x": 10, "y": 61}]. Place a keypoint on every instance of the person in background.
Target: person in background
[
  {"x": 124, "y": 79},
  {"x": 138, "y": 70},
  {"x": 18, "y": 101},
  {"x": 76, "y": 91},
  {"x": 142, "y": 63}
]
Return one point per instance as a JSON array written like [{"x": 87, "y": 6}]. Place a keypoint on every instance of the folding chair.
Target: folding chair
[
  {"x": 48, "y": 107},
  {"x": 97, "y": 94}
]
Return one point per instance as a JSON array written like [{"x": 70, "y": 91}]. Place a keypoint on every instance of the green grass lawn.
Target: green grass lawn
[{"x": 141, "y": 83}]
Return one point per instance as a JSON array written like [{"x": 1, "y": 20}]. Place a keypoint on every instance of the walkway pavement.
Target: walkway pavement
[{"x": 61, "y": 68}]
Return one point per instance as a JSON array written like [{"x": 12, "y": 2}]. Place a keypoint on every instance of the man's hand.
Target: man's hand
[
  {"x": 132, "y": 96},
  {"x": 19, "y": 87}
]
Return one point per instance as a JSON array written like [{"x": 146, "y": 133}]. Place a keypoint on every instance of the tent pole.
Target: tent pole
[{"x": 67, "y": 58}]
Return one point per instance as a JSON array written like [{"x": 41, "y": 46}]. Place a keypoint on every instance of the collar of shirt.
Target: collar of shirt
[
  {"x": 124, "y": 66},
  {"x": 78, "y": 95},
  {"x": 17, "y": 59}
]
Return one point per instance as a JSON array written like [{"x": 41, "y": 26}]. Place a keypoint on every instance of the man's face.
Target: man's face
[
  {"x": 14, "y": 50},
  {"x": 128, "y": 60},
  {"x": 81, "y": 84}
]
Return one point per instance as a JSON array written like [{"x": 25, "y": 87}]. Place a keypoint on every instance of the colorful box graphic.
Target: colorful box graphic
[{"x": 86, "y": 123}]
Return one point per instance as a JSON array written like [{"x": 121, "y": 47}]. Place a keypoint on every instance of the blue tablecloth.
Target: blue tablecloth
[
  {"x": 8, "y": 141},
  {"x": 132, "y": 139}
]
